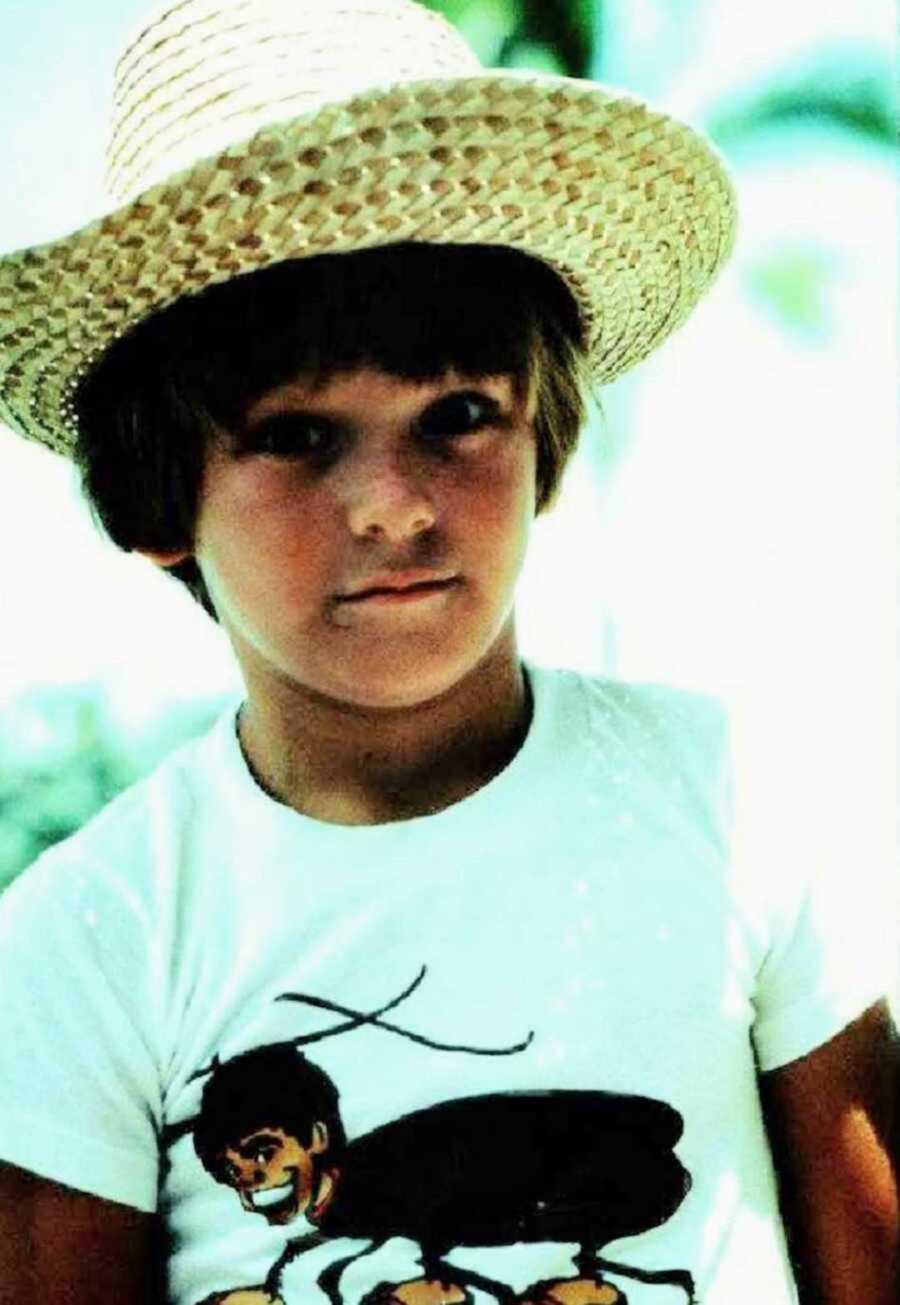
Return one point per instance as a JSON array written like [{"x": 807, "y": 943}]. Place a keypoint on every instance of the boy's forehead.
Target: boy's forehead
[{"x": 364, "y": 386}]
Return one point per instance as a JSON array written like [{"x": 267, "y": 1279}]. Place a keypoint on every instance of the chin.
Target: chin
[{"x": 398, "y": 687}]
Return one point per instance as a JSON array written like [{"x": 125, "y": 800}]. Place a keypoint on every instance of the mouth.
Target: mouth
[
  {"x": 408, "y": 593},
  {"x": 273, "y": 1202}
]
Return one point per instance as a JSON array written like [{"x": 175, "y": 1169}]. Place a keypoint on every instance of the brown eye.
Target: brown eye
[
  {"x": 293, "y": 435},
  {"x": 458, "y": 414}
]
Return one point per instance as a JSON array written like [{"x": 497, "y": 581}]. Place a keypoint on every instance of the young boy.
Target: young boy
[{"x": 428, "y": 976}]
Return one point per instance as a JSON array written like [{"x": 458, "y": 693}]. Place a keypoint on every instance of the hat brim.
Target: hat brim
[{"x": 632, "y": 208}]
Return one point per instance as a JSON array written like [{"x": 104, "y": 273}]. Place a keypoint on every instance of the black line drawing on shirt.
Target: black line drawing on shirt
[
  {"x": 357, "y": 1019},
  {"x": 569, "y": 1166}
]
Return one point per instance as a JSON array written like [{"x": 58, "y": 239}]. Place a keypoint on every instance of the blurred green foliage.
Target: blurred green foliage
[
  {"x": 793, "y": 282},
  {"x": 848, "y": 89},
  {"x": 549, "y": 35},
  {"x": 64, "y": 754}
]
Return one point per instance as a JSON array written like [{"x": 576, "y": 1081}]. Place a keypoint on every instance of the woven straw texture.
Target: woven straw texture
[{"x": 251, "y": 132}]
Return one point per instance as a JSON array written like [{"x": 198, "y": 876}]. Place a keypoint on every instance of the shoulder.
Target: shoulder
[
  {"x": 660, "y": 726},
  {"x": 122, "y": 849},
  {"x": 645, "y": 708}
]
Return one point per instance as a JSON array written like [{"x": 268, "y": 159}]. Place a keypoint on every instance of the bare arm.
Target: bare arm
[
  {"x": 62, "y": 1247},
  {"x": 833, "y": 1126}
]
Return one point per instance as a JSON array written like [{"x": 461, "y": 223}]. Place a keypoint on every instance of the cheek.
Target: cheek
[
  {"x": 258, "y": 501},
  {"x": 500, "y": 506},
  {"x": 275, "y": 1168},
  {"x": 260, "y": 537}
]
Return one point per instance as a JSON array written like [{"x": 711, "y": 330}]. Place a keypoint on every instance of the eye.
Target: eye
[
  {"x": 293, "y": 435},
  {"x": 463, "y": 413}
]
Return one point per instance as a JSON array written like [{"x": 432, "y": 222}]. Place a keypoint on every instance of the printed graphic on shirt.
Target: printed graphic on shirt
[{"x": 495, "y": 1170}]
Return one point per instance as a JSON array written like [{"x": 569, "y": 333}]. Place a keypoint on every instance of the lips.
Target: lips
[{"x": 410, "y": 583}]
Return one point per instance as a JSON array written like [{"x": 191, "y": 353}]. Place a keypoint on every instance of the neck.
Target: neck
[{"x": 353, "y": 765}]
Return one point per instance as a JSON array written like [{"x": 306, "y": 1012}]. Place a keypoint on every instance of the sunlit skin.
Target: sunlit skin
[
  {"x": 276, "y": 1176},
  {"x": 361, "y": 710}
]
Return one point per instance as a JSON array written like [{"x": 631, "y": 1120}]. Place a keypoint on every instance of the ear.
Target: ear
[
  {"x": 319, "y": 1138},
  {"x": 165, "y": 559}
]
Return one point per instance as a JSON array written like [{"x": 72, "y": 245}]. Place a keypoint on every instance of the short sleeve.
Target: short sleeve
[
  {"x": 826, "y": 967},
  {"x": 813, "y": 865},
  {"x": 79, "y": 1085},
  {"x": 812, "y": 871}
]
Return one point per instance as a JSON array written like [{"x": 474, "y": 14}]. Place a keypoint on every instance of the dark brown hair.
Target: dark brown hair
[
  {"x": 147, "y": 411},
  {"x": 268, "y": 1087}
]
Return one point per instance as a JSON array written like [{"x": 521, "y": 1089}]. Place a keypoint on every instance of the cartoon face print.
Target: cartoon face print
[{"x": 273, "y": 1174}]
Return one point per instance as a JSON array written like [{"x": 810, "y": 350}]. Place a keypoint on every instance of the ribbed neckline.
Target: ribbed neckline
[{"x": 503, "y": 794}]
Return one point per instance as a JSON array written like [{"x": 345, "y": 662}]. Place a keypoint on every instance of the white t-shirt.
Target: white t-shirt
[{"x": 602, "y": 917}]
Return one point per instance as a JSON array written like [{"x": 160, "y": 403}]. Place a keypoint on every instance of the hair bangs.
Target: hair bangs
[{"x": 414, "y": 311}]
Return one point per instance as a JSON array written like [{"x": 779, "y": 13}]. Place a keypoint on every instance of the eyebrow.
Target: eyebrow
[
  {"x": 309, "y": 403},
  {"x": 246, "y": 1149}
]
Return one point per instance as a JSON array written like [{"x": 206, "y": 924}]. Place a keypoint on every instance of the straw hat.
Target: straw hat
[{"x": 246, "y": 132}]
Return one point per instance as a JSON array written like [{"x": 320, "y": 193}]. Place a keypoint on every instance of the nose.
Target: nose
[
  {"x": 388, "y": 496},
  {"x": 248, "y": 1179},
  {"x": 244, "y": 1173}
]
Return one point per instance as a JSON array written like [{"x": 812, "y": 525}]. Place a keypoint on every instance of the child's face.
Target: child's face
[{"x": 367, "y": 483}]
